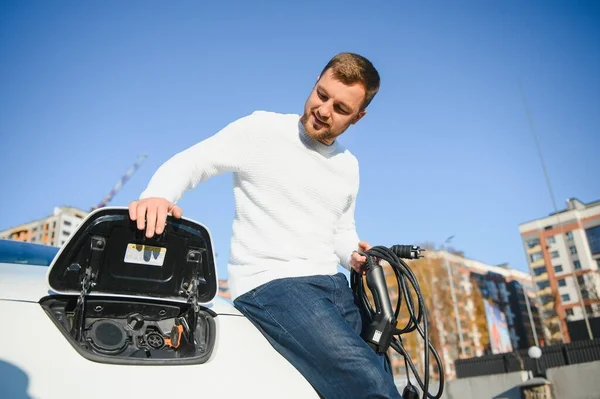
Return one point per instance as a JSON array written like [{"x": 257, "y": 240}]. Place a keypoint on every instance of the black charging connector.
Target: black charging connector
[{"x": 378, "y": 334}]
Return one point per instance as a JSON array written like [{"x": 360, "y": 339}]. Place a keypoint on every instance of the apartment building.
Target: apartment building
[
  {"x": 563, "y": 253},
  {"x": 52, "y": 230},
  {"x": 483, "y": 294}
]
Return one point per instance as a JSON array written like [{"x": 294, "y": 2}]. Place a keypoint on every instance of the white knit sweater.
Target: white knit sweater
[{"x": 294, "y": 197}]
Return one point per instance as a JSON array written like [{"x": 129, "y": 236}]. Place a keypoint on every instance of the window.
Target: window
[
  {"x": 543, "y": 284},
  {"x": 66, "y": 233},
  {"x": 548, "y": 227},
  {"x": 580, "y": 280},
  {"x": 562, "y": 283},
  {"x": 551, "y": 240},
  {"x": 565, "y": 297},
  {"x": 573, "y": 250},
  {"x": 534, "y": 257},
  {"x": 533, "y": 242},
  {"x": 569, "y": 236},
  {"x": 585, "y": 294},
  {"x": 569, "y": 312},
  {"x": 538, "y": 271},
  {"x": 558, "y": 268},
  {"x": 576, "y": 265},
  {"x": 593, "y": 236},
  {"x": 588, "y": 310},
  {"x": 554, "y": 254},
  {"x": 67, "y": 223}
]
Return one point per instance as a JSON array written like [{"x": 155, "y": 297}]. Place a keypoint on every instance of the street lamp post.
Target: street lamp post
[
  {"x": 526, "y": 295},
  {"x": 453, "y": 295},
  {"x": 535, "y": 353}
]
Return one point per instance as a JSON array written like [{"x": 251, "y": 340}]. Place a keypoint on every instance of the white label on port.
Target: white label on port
[
  {"x": 145, "y": 255},
  {"x": 377, "y": 336}
]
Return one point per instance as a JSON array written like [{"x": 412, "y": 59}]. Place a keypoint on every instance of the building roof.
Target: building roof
[
  {"x": 572, "y": 204},
  {"x": 482, "y": 267}
]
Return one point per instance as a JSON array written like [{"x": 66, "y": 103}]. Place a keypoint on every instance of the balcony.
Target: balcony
[
  {"x": 547, "y": 305},
  {"x": 539, "y": 262}
]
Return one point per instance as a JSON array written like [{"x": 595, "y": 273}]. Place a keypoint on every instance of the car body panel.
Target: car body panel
[{"x": 243, "y": 364}]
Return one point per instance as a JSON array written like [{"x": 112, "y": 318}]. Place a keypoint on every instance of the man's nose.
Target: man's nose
[{"x": 325, "y": 111}]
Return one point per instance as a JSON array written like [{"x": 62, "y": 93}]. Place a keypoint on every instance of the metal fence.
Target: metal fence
[{"x": 552, "y": 356}]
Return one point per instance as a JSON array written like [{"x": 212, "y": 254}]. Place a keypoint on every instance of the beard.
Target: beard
[{"x": 323, "y": 134}]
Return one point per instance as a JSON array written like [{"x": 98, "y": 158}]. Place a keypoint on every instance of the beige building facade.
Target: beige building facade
[
  {"x": 52, "y": 230},
  {"x": 563, "y": 253}
]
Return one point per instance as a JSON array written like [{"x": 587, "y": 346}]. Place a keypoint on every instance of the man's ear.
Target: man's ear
[{"x": 359, "y": 116}]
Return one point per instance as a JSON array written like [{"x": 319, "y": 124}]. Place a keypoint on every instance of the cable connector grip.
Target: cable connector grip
[{"x": 407, "y": 251}]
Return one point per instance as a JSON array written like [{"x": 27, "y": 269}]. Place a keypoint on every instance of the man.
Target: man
[{"x": 295, "y": 189}]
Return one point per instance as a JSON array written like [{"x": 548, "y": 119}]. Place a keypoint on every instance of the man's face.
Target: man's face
[{"x": 332, "y": 107}]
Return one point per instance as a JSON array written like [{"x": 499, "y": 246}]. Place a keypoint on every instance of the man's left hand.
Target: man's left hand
[{"x": 357, "y": 261}]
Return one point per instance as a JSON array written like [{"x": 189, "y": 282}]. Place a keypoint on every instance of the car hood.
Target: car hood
[{"x": 108, "y": 255}]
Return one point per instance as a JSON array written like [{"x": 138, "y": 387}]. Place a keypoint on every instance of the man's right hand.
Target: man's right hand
[{"x": 151, "y": 214}]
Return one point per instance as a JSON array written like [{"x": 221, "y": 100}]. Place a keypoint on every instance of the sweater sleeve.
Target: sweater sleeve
[
  {"x": 226, "y": 151},
  {"x": 346, "y": 238}
]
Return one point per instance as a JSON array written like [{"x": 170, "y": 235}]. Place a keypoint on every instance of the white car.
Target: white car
[{"x": 118, "y": 315}]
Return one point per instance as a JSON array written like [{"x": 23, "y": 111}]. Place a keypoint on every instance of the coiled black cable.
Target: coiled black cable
[{"x": 407, "y": 287}]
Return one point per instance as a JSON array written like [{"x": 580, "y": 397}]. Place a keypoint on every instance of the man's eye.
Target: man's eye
[
  {"x": 322, "y": 96},
  {"x": 342, "y": 110}
]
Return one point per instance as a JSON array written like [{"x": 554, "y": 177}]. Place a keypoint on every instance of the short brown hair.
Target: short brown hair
[{"x": 352, "y": 68}]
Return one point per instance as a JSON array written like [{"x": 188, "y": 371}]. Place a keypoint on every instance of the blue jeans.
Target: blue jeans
[{"x": 315, "y": 324}]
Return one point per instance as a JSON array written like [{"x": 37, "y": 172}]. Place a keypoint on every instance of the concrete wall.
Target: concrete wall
[
  {"x": 496, "y": 386},
  {"x": 578, "y": 381}
]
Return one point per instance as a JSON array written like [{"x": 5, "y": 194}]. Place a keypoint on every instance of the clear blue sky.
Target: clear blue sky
[{"x": 445, "y": 149}]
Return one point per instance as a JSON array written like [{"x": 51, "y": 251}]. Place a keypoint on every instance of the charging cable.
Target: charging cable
[{"x": 381, "y": 331}]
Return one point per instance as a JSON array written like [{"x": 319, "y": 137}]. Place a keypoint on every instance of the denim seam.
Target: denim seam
[
  {"x": 276, "y": 322},
  {"x": 335, "y": 292},
  {"x": 307, "y": 352}
]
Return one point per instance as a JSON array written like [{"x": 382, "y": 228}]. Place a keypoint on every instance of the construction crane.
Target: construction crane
[{"x": 117, "y": 187}]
